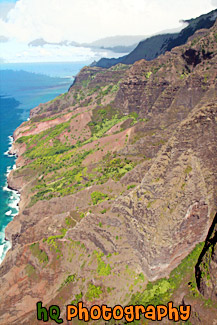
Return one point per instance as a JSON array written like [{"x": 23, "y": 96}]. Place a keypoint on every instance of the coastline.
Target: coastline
[
  {"x": 13, "y": 204},
  {"x": 10, "y": 191}
]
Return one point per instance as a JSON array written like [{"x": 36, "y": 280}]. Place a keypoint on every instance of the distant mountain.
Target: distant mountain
[
  {"x": 120, "y": 40},
  {"x": 156, "y": 45},
  {"x": 117, "y": 44},
  {"x": 42, "y": 42}
]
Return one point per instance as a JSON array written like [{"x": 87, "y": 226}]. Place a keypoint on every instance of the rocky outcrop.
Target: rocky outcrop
[
  {"x": 171, "y": 210},
  {"x": 206, "y": 268}
]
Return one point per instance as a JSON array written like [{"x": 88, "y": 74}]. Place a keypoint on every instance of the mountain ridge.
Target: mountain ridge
[
  {"x": 117, "y": 180},
  {"x": 156, "y": 45}
]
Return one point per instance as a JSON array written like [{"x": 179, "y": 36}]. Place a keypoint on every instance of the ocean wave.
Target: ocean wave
[
  {"x": 6, "y": 153},
  {"x": 8, "y": 213},
  {"x": 13, "y": 204},
  {"x": 10, "y": 137},
  {"x": 9, "y": 154},
  {"x": 9, "y": 168},
  {"x": 10, "y": 141},
  {"x": 5, "y": 245},
  {"x": 6, "y": 189}
]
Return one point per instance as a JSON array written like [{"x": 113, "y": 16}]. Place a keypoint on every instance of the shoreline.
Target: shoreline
[{"x": 13, "y": 202}]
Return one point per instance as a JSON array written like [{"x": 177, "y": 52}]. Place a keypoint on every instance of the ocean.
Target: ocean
[{"x": 22, "y": 87}]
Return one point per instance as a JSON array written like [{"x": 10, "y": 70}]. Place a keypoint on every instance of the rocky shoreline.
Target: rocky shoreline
[
  {"x": 15, "y": 194},
  {"x": 13, "y": 186}
]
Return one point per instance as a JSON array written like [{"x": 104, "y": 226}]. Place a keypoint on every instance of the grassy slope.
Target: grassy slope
[{"x": 59, "y": 170}]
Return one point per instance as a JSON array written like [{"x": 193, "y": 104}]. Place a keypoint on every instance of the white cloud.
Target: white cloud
[
  {"x": 14, "y": 51},
  {"x": 5, "y": 7},
  {"x": 88, "y": 20}
]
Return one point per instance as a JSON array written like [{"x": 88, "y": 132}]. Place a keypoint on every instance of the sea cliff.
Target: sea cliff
[{"x": 117, "y": 181}]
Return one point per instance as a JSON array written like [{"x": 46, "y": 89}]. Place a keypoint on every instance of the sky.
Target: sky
[{"x": 23, "y": 21}]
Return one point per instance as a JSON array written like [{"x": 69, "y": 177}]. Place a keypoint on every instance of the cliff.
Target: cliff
[
  {"x": 117, "y": 181},
  {"x": 154, "y": 46}
]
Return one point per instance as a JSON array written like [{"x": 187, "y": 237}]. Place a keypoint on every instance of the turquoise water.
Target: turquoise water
[{"x": 22, "y": 87}]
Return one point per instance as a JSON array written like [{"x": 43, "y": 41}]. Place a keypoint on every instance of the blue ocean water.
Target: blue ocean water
[{"x": 22, "y": 87}]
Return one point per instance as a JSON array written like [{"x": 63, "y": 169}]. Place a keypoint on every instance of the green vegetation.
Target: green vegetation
[
  {"x": 109, "y": 289},
  {"x": 78, "y": 298},
  {"x": 120, "y": 66},
  {"x": 98, "y": 197},
  {"x": 64, "y": 182},
  {"x": 188, "y": 169},
  {"x": 50, "y": 118},
  {"x": 131, "y": 186},
  {"x": 93, "y": 90},
  {"x": 60, "y": 164},
  {"x": 63, "y": 231},
  {"x": 205, "y": 265},
  {"x": 105, "y": 118},
  {"x": 104, "y": 124},
  {"x": 30, "y": 270},
  {"x": 93, "y": 292},
  {"x": 184, "y": 74},
  {"x": 69, "y": 279},
  {"x": 52, "y": 241},
  {"x": 148, "y": 74},
  {"x": 195, "y": 41},
  {"x": 75, "y": 179},
  {"x": 150, "y": 203},
  {"x": 114, "y": 168},
  {"x": 103, "y": 269},
  {"x": 82, "y": 215},
  {"x": 62, "y": 96},
  {"x": 39, "y": 253},
  {"x": 45, "y": 143},
  {"x": 161, "y": 291},
  {"x": 70, "y": 223}
]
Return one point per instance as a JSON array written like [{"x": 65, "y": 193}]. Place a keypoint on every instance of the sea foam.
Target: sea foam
[{"x": 13, "y": 204}]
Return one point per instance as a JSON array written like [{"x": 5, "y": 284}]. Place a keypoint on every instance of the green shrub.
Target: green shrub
[
  {"x": 78, "y": 298},
  {"x": 69, "y": 279},
  {"x": 93, "y": 292},
  {"x": 188, "y": 169},
  {"x": 39, "y": 253},
  {"x": 98, "y": 197},
  {"x": 103, "y": 269},
  {"x": 131, "y": 186}
]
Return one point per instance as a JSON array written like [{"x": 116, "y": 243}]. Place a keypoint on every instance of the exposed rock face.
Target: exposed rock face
[
  {"x": 117, "y": 180},
  {"x": 206, "y": 269},
  {"x": 170, "y": 211}
]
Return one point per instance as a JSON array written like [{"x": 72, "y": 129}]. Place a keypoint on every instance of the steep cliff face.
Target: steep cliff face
[
  {"x": 117, "y": 180},
  {"x": 154, "y": 46},
  {"x": 206, "y": 268}
]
